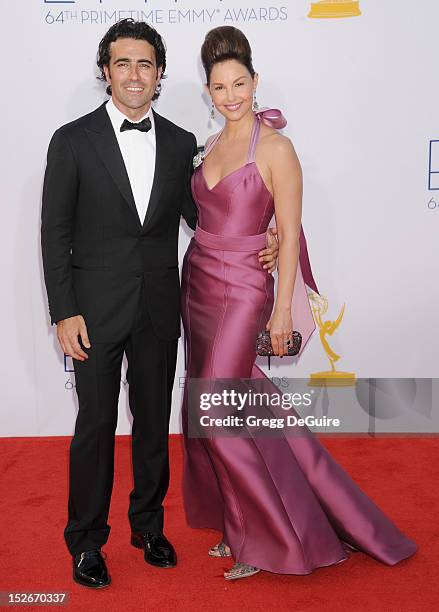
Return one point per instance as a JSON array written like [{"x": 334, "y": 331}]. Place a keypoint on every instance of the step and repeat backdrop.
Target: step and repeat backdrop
[{"x": 357, "y": 82}]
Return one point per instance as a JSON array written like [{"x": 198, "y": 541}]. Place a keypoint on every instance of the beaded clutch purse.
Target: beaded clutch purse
[{"x": 264, "y": 348}]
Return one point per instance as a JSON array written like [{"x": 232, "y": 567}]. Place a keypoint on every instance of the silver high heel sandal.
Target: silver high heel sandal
[
  {"x": 220, "y": 550},
  {"x": 241, "y": 570}
]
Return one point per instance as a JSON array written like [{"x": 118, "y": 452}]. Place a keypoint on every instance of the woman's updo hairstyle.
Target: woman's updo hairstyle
[{"x": 226, "y": 43}]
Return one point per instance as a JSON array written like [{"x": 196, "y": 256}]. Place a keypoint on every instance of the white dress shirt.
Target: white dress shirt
[{"x": 138, "y": 152}]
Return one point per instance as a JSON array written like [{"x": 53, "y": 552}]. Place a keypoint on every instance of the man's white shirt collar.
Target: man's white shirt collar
[{"x": 117, "y": 117}]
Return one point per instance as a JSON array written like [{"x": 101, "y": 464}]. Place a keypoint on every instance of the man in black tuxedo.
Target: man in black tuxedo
[{"x": 116, "y": 184}]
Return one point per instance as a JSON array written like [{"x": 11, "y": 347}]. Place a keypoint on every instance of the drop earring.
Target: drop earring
[
  {"x": 255, "y": 104},
  {"x": 212, "y": 111}
]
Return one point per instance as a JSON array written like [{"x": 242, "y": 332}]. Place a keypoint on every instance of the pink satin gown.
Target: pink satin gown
[{"x": 283, "y": 505}]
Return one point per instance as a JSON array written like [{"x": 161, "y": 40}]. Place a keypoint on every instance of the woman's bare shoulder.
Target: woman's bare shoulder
[{"x": 275, "y": 144}]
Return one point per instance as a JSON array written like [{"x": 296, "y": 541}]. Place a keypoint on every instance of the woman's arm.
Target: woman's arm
[{"x": 286, "y": 177}]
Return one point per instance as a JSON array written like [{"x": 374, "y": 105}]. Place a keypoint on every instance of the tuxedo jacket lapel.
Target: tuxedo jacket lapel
[
  {"x": 101, "y": 133},
  {"x": 163, "y": 164}
]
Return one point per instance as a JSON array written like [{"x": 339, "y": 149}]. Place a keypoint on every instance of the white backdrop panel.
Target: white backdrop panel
[{"x": 361, "y": 100}]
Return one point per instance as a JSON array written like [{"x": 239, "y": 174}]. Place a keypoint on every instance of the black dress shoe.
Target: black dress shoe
[
  {"x": 89, "y": 569},
  {"x": 158, "y": 551}
]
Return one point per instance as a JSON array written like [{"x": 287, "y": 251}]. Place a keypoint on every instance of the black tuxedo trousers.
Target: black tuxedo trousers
[
  {"x": 150, "y": 377},
  {"x": 122, "y": 276}
]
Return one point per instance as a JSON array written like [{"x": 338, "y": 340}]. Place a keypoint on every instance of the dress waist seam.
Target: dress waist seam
[{"x": 253, "y": 242}]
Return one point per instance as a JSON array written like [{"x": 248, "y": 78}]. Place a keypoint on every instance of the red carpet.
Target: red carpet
[{"x": 400, "y": 474}]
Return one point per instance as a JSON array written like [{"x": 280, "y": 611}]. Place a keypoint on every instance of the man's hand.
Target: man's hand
[
  {"x": 68, "y": 331},
  {"x": 269, "y": 255}
]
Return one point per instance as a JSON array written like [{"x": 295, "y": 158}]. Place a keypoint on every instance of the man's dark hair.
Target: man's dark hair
[{"x": 139, "y": 30}]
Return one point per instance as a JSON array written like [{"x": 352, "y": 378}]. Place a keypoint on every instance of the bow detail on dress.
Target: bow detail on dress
[{"x": 272, "y": 117}]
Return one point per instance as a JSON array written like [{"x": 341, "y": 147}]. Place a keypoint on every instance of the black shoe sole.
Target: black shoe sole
[
  {"x": 92, "y": 586},
  {"x": 137, "y": 544}
]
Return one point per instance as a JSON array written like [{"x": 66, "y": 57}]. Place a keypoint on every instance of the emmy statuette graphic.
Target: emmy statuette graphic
[
  {"x": 332, "y": 377},
  {"x": 327, "y": 9}
]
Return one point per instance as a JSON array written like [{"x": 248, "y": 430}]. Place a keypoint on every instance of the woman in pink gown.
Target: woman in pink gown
[{"x": 282, "y": 504}]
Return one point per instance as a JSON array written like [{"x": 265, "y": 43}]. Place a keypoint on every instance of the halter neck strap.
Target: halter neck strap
[
  {"x": 270, "y": 116},
  {"x": 253, "y": 141},
  {"x": 252, "y": 146},
  {"x": 212, "y": 143}
]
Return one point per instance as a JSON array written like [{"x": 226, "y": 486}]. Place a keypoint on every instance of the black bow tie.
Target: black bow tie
[{"x": 142, "y": 126}]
